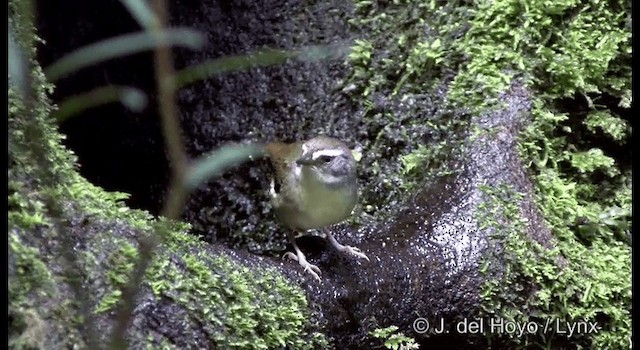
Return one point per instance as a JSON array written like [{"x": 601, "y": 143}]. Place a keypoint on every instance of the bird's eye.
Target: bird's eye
[{"x": 325, "y": 159}]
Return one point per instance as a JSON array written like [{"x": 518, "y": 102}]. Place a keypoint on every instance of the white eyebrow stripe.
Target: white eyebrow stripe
[{"x": 327, "y": 152}]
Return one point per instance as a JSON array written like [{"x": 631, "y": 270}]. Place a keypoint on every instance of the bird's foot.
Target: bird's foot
[
  {"x": 308, "y": 267},
  {"x": 352, "y": 251}
]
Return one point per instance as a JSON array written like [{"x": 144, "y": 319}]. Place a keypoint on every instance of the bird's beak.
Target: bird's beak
[{"x": 305, "y": 159}]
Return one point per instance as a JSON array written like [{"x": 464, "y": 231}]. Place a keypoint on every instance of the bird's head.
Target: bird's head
[{"x": 328, "y": 160}]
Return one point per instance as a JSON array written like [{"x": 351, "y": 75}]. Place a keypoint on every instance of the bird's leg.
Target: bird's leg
[
  {"x": 300, "y": 258},
  {"x": 344, "y": 248}
]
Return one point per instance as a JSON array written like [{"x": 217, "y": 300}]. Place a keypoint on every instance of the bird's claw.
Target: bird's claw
[
  {"x": 308, "y": 267},
  {"x": 355, "y": 251},
  {"x": 290, "y": 255}
]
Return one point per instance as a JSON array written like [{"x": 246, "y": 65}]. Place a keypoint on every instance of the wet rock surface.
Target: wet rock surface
[
  {"x": 425, "y": 250},
  {"x": 425, "y": 261},
  {"x": 288, "y": 102}
]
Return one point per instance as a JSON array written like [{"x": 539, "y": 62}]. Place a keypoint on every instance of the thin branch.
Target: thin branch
[
  {"x": 165, "y": 79},
  {"x": 170, "y": 123}
]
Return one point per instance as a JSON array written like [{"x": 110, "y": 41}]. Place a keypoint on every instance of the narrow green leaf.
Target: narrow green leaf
[
  {"x": 17, "y": 65},
  {"x": 141, "y": 12},
  {"x": 220, "y": 160},
  {"x": 261, "y": 58},
  {"x": 230, "y": 64},
  {"x": 121, "y": 46},
  {"x": 131, "y": 98}
]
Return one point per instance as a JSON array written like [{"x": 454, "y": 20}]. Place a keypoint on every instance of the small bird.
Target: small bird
[{"x": 315, "y": 186}]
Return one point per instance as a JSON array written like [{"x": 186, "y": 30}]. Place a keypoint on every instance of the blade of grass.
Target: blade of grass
[
  {"x": 141, "y": 12},
  {"x": 220, "y": 160},
  {"x": 121, "y": 46},
  {"x": 132, "y": 98},
  {"x": 261, "y": 58}
]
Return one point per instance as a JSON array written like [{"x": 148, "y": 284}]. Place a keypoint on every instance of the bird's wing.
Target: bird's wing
[{"x": 283, "y": 157}]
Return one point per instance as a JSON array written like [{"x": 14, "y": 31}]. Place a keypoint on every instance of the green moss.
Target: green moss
[
  {"x": 397, "y": 71},
  {"x": 407, "y": 46},
  {"x": 560, "y": 47},
  {"x": 50, "y": 202},
  {"x": 568, "y": 283},
  {"x": 34, "y": 296},
  {"x": 239, "y": 307},
  {"x": 31, "y": 329},
  {"x": 427, "y": 163},
  {"x": 394, "y": 340},
  {"x": 618, "y": 129},
  {"x": 578, "y": 190},
  {"x": 109, "y": 301},
  {"x": 120, "y": 263},
  {"x": 25, "y": 212},
  {"x": 561, "y": 50},
  {"x": 163, "y": 345},
  {"x": 587, "y": 274},
  {"x": 29, "y": 273}
]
